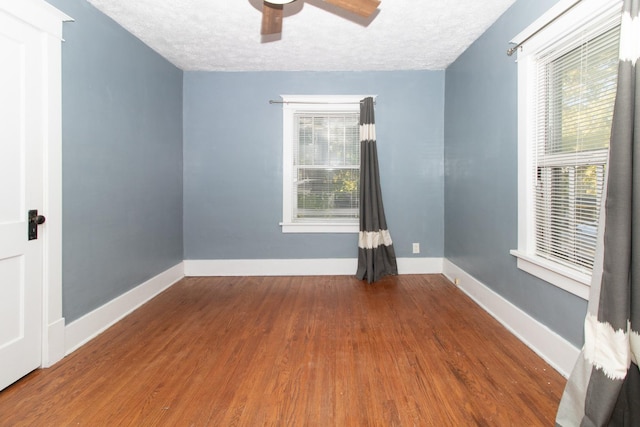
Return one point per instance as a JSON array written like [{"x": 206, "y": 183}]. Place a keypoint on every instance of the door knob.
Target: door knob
[{"x": 32, "y": 224}]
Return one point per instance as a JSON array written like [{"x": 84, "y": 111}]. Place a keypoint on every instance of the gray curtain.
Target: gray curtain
[
  {"x": 376, "y": 256},
  {"x": 604, "y": 387}
]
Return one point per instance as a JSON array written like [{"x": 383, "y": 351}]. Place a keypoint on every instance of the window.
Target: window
[
  {"x": 321, "y": 174},
  {"x": 567, "y": 76}
]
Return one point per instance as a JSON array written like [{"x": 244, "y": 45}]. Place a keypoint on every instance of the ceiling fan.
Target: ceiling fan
[{"x": 272, "y": 11}]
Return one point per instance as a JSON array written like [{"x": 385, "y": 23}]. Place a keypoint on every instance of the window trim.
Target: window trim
[
  {"x": 291, "y": 105},
  {"x": 562, "y": 24}
]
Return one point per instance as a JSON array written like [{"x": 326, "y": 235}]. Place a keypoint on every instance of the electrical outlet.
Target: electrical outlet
[{"x": 416, "y": 248}]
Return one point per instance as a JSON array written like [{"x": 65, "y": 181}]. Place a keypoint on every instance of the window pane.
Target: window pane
[
  {"x": 575, "y": 109},
  {"x": 327, "y": 193},
  {"x": 328, "y": 140},
  {"x": 327, "y": 162},
  {"x": 568, "y": 202},
  {"x": 581, "y": 86}
]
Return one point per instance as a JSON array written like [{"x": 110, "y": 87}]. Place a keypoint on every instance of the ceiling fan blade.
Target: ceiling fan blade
[
  {"x": 271, "y": 18},
  {"x": 363, "y": 8}
]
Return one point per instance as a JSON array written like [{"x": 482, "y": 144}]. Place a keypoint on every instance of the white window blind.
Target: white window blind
[
  {"x": 326, "y": 167},
  {"x": 575, "y": 94}
]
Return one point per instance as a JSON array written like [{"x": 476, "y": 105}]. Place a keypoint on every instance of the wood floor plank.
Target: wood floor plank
[{"x": 288, "y": 351}]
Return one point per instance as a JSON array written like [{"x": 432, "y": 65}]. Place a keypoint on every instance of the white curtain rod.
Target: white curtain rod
[
  {"x": 271, "y": 101},
  {"x": 511, "y": 50}
]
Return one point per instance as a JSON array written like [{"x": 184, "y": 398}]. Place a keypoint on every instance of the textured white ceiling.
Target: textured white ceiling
[{"x": 224, "y": 35}]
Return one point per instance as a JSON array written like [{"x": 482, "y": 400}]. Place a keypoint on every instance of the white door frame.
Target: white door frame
[{"x": 46, "y": 18}]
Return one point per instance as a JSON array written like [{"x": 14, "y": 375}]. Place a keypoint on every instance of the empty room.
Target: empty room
[{"x": 319, "y": 213}]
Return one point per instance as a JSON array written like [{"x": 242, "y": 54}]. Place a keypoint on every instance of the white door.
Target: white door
[{"x": 21, "y": 189}]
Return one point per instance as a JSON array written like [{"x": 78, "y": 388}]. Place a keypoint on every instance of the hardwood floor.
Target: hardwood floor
[{"x": 296, "y": 351}]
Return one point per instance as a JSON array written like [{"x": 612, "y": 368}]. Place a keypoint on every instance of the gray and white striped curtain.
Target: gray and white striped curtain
[
  {"x": 604, "y": 387},
  {"x": 376, "y": 256}
]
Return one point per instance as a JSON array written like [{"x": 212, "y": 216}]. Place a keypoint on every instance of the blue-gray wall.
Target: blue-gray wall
[
  {"x": 481, "y": 200},
  {"x": 122, "y": 160},
  {"x": 447, "y": 150},
  {"x": 233, "y": 162}
]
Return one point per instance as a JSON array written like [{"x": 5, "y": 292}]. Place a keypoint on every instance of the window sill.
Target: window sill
[
  {"x": 565, "y": 278},
  {"x": 309, "y": 227}
]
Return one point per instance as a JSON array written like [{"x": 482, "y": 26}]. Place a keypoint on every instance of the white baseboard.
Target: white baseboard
[
  {"x": 555, "y": 350},
  {"x": 54, "y": 349},
  {"x": 82, "y": 330},
  {"x": 300, "y": 267}
]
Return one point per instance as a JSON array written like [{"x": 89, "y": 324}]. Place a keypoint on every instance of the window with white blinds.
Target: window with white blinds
[
  {"x": 567, "y": 78},
  {"x": 326, "y": 162},
  {"x": 575, "y": 97},
  {"x": 321, "y": 163}
]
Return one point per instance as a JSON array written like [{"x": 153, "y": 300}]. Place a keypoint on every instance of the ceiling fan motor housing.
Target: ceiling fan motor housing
[{"x": 272, "y": 11}]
